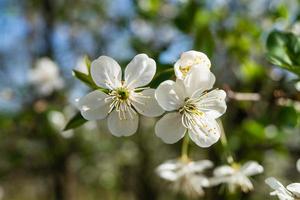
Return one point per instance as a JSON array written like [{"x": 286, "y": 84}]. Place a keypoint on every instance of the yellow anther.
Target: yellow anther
[{"x": 184, "y": 69}]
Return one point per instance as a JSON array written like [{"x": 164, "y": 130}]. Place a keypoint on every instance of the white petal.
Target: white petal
[
  {"x": 122, "y": 127},
  {"x": 284, "y": 196},
  {"x": 199, "y": 181},
  {"x": 170, "y": 95},
  {"x": 169, "y": 128},
  {"x": 245, "y": 183},
  {"x": 168, "y": 175},
  {"x": 219, "y": 179},
  {"x": 213, "y": 103},
  {"x": 223, "y": 170},
  {"x": 170, "y": 165},
  {"x": 168, "y": 169},
  {"x": 190, "y": 59},
  {"x": 252, "y": 168},
  {"x": 294, "y": 188},
  {"x": 93, "y": 106},
  {"x": 199, "y": 166},
  {"x": 146, "y": 104},
  {"x": 199, "y": 80},
  {"x": 140, "y": 71},
  {"x": 196, "y": 183},
  {"x": 206, "y": 133},
  {"x": 298, "y": 165},
  {"x": 106, "y": 72},
  {"x": 274, "y": 184}
]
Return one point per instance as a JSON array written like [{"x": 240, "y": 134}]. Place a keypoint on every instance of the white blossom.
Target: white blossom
[
  {"x": 298, "y": 165},
  {"x": 186, "y": 176},
  {"x": 45, "y": 76},
  {"x": 188, "y": 60},
  {"x": 236, "y": 176},
  {"x": 125, "y": 98},
  {"x": 291, "y": 192},
  {"x": 193, "y": 108}
]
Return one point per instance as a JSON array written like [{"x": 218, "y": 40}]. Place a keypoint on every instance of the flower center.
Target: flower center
[
  {"x": 120, "y": 100},
  {"x": 190, "y": 114},
  {"x": 185, "y": 69},
  {"x": 190, "y": 107},
  {"x": 122, "y": 93},
  {"x": 236, "y": 166}
]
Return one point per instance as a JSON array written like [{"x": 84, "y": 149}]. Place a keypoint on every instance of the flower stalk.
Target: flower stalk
[
  {"x": 185, "y": 147},
  {"x": 224, "y": 143}
]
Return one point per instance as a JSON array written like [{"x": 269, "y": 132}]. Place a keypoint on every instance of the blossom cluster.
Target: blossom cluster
[
  {"x": 190, "y": 109},
  {"x": 45, "y": 77},
  {"x": 290, "y": 192},
  {"x": 189, "y": 104},
  {"x": 188, "y": 176}
]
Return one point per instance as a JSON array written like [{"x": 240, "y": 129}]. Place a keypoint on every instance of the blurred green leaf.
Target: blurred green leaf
[
  {"x": 251, "y": 70},
  {"x": 76, "y": 121},
  {"x": 287, "y": 116},
  {"x": 254, "y": 129},
  {"x": 186, "y": 17},
  {"x": 87, "y": 79},
  {"x": 284, "y": 50},
  {"x": 162, "y": 76}
]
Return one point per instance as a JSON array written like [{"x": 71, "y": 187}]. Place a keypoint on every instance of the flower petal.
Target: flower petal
[
  {"x": 193, "y": 187},
  {"x": 251, "y": 168},
  {"x": 169, "y": 128},
  {"x": 213, "y": 103},
  {"x": 189, "y": 59},
  {"x": 222, "y": 174},
  {"x": 170, "y": 95},
  {"x": 275, "y": 184},
  {"x": 122, "y": 127},
  {"x": 223, "y": 170},
  {"x": 200, "y": 181},
  {"x": 298, "y": 165},
  {"x": 106, "y": 72},
  {"x": 280, "y": 190},
  {"x": 245, "y": 183},
  {"x": 168, "y": 169},
  {"x": 294, "y": 188},
  {"x": 140, "y": 71},
  {"x": 93, "y": 106},
  {"x": 146, "y": 104},
  {"x": 201, "y": 165},
  {"x": 206, "y": 133},
  {"x": 199, "y": 80}
]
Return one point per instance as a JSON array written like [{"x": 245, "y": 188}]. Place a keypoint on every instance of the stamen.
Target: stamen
[
  {"x": 121, "y": 101},
  {"x": 191, "y": 116},
  {"x": 140, "y": 89},
  {"x": 185, "y": 69}
]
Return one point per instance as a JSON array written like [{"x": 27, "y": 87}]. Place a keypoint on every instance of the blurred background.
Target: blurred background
[{"x": 41, "y": 41}]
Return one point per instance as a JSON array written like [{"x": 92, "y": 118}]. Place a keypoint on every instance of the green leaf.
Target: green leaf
[
  {"x": 162, "y": 76},
  {"x": 284, "y": 50},
  {"x": 85, "y": 78},
  {"x": 76, "y": 121}
]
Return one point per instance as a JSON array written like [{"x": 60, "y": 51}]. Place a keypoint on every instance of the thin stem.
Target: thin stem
[
  {"x": 185, "y": 147},
  {"x": 224, "y": 143}
]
